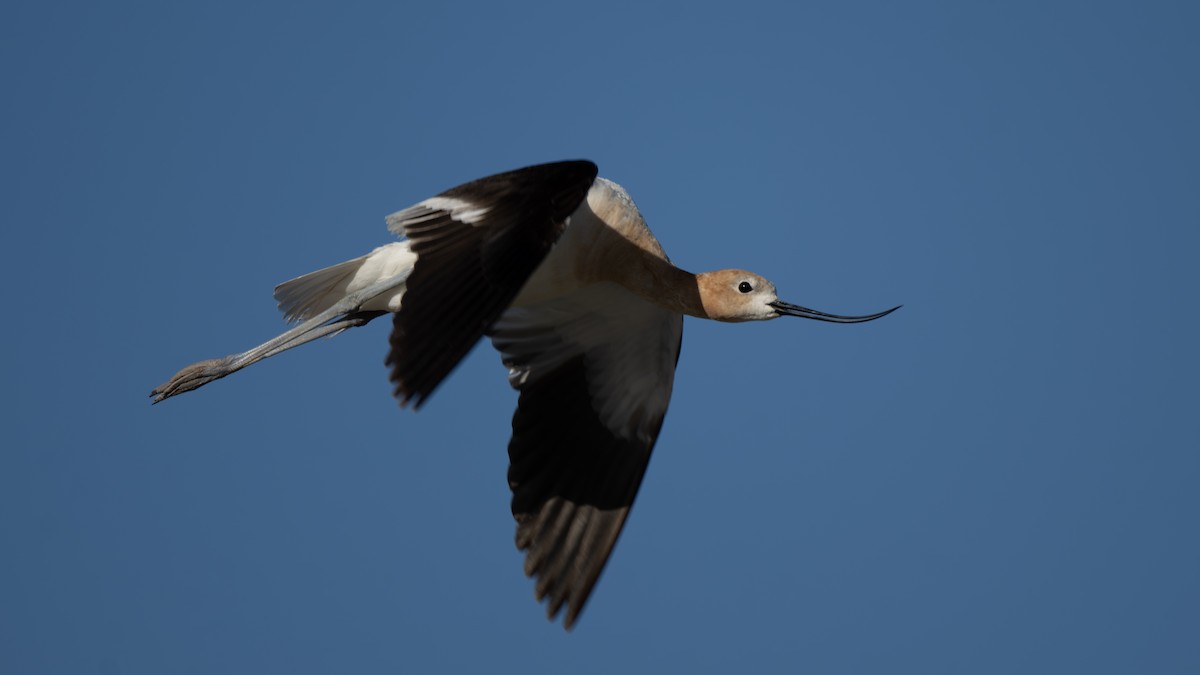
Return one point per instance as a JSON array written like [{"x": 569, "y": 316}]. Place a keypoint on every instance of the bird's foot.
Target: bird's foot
[{"x": 192, "y": 377}]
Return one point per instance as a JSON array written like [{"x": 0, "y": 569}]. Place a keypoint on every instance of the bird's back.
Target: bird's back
[{"x": 607, "y": 239}]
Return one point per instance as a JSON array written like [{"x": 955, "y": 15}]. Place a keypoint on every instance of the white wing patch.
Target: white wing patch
[
  {"x": 629, "y": 347},
  {"x": 435, "y": 208}
]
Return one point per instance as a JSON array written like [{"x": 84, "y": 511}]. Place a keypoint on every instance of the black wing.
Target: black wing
[
  {"x": 476, "y": 245},
  {"x": 595, "y": 371}
]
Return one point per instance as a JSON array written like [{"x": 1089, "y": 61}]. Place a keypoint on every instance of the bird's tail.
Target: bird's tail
[
  {"x": 325, "y": 302},
  {"x": 307, "y": 296}
]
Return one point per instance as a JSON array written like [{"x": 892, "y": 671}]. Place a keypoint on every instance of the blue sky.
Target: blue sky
[{"x": 1001, "y": 477}]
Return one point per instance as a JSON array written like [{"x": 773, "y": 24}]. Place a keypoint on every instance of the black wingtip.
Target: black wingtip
[{"x": 467, "y": 273}]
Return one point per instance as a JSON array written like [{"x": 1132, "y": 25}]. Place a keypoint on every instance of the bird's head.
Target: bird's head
[{"x": 738, "y": 295}]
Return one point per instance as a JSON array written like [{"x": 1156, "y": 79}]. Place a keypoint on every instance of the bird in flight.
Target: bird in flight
[{"x": 559, "y": 270}]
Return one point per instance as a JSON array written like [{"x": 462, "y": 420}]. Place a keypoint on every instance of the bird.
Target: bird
[{"x": 558, "y": 268}]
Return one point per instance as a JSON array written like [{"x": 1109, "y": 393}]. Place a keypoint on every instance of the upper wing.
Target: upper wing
[
  {"x": 595, "y": 370},
  {"x": 476, "y": 246}
]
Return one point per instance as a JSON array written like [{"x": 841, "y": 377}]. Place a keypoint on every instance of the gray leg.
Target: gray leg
[{"x": 345, "y": 314}]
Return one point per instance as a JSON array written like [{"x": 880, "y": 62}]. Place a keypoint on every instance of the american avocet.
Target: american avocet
[{"x": 558, "y": 268}]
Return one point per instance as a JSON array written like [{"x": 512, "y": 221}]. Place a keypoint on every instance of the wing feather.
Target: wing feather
[
  {"x": 595, "y": 370},
  {"x": 476, "y": 245}
]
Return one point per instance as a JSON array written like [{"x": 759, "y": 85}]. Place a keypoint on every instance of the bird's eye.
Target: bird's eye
[{"x": 745, "y": 287}]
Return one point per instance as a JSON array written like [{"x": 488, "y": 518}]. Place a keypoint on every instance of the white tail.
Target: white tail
[{"x": 307, "y": 296}]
